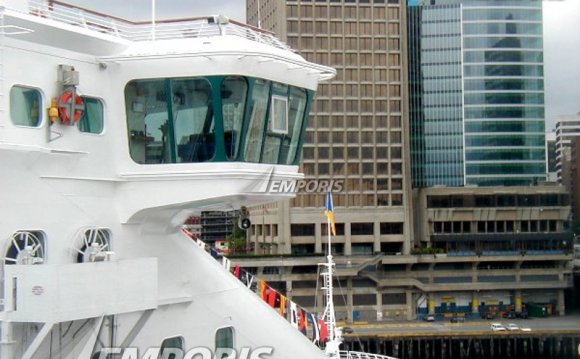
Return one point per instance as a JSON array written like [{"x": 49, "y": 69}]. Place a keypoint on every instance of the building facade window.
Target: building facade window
[{"x": 302, "y": 229}]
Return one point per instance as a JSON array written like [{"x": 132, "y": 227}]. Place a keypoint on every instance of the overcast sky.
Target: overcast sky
[{"x": 561, "y": 39}]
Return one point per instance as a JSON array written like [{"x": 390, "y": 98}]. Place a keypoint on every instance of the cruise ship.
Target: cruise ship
[{"x": 112, "y": 134}]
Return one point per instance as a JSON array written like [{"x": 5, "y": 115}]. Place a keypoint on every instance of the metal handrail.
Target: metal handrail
[{"x": 195, "y": 27}]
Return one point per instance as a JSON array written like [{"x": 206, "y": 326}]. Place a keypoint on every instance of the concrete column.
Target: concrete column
[
  {"x": 377, "y": 237},
  {"x": 347, "y": 244},
  {"x": 318, "y": 247},
  {"x": 518, "y": 301},
  {"x": 561, "y": 304},
  {"x": 349, "y": 308},
  {"x": 347, "y": 240},
  {"x": 431, "y": 304},
  {"x": 474, "y": 303},
  {"x": 379, "y": 306},
  {"x": 411, "y": 305},
  {"x": 283, "y": 221}
]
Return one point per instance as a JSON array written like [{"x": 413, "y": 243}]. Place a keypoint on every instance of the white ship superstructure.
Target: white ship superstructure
[{"x": 112, "y": 133}]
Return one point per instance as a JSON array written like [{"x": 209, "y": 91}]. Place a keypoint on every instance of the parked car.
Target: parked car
[
  {"x": 347, "y": 330},
  {"x": 456, "y": 319},
  {"x": 497, "y": 327},
  {"x": 512, "y": 327},
  {"x": 429, "y": 318}
]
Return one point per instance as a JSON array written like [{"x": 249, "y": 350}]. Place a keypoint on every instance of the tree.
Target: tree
[{"x": 237, "y": 240}]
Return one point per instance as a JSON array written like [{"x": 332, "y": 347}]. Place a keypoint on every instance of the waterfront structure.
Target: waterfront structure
[
  {"x": 484, "y": 251},
  {"x": 504, "y": 236},
  {"x": 384, "y": 268},
  {"x": 476, "y": 93}
]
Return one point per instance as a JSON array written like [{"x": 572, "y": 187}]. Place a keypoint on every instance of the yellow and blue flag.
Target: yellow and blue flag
[{"x": 329, "y": 212}]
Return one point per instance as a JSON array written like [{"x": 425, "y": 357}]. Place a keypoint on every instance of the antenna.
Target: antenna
[
  {"x": 153, "y": 20},
  {"x": 259, "y": 17}
]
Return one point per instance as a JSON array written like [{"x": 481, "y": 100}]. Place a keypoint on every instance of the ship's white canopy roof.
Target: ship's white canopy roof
[{"x": 113, "y": 39}]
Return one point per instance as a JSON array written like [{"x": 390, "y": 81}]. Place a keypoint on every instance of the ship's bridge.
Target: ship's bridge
[
  {"x": 207, "y": 109},
  {"x": 215, "y": 119},
  {"x": 226, "y": 135}
]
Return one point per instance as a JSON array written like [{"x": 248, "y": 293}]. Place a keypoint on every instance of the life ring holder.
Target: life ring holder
[{"x": 66, "y": 107}]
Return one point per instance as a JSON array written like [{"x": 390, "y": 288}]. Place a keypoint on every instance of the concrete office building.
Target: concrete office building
[
  {"x": 567, "y": 128},
  {"x": 575, "y": 180},
  {"x": 567, "y": 142},
  {"x": 356, "y": 137}
]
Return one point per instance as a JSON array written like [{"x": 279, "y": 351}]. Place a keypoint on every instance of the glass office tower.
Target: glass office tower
[{"x": 476, "y": 92}]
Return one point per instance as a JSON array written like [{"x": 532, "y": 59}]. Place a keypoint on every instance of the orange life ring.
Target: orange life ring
[{"x": 64, "y": 106}]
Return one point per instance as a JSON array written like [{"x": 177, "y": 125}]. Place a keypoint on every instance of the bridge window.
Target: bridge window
[
  {"x": 170, "y": 121},
  {"x": 259, "y": 106},
  {"x": 215, "y": 119},
  {"x": 193, "y": 121},
  {"x": 25, "y": 106},
  {"x": 234, "y": 92}
]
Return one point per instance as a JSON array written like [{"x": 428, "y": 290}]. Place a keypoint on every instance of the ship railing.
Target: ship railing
[
  {"x": 196, "y": 27},
  {"x": 347, "y": 354}
]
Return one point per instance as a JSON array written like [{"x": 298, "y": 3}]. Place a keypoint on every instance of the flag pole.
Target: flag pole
[{"x": 332, "y": 345}]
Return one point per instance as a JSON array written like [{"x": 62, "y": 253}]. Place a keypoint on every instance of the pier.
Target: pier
[
  {"x": 563, "y": 345},
  {"x": 557, "y": 337}
]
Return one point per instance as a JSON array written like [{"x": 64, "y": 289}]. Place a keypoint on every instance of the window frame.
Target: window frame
[
  {"x": 233, "y": 341},
  {"x": 40, "y": 95},
  {"x": 102, "y": 107},
  {"x": 274, "y": 128},
  {"x": 162, "y": 347}
]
